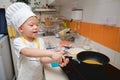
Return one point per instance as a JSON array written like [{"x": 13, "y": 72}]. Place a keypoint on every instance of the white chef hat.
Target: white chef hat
[{"x": 18, "y": 13}]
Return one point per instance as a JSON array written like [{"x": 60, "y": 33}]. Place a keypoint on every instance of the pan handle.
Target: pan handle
[{"x": 70, "y": 57}]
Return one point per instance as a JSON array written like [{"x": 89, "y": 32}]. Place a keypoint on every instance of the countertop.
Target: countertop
[
  {"x": 51, "y": 73},
  {"x": 56, "y": 73}
]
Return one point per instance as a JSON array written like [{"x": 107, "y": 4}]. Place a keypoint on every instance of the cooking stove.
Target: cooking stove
[{"x": 81, "y": 71}]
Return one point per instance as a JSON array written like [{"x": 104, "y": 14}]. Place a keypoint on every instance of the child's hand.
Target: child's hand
[
  {"x": 65, "y": 61},
  {"x": 58, "y": 57}
]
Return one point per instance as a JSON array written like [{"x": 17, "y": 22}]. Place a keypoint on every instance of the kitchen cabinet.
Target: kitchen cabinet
[{"x": 6, "y": 68}]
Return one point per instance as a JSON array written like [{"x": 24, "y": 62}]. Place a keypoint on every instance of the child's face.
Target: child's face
[{"x": 30, "y": 28}]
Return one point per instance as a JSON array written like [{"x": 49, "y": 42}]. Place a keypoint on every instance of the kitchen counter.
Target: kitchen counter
[
  {"x": 54, "y": 73},
  {"x": 51, "y": 73}
]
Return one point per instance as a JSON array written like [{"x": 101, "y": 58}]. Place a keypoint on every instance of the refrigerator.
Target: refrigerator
[{"x": 6, "y": 62}]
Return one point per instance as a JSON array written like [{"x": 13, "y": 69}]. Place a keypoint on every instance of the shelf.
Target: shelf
[
  {"x": 53, "y": 21},
  {"x": 44, "y": 10}
]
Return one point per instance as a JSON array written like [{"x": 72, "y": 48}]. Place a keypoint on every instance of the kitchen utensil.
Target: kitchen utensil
[{"x": 92, "y": 55}]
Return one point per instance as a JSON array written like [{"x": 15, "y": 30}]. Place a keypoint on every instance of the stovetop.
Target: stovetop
[{"x": 81, "y": 71}]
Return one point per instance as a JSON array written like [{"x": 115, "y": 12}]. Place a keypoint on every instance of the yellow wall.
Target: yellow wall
[{"x": 108, "y": 36}]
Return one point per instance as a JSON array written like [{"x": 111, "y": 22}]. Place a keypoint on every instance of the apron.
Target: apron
[{"x": 30, "y": 68}]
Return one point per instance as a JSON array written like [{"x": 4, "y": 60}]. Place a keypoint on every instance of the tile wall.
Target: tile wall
[
  {"x": 106, "y": 39},
  {"x": 108, "y": 36}
]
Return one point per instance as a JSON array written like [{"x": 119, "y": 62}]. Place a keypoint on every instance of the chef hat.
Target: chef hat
[{"x": 18, "y": 13}]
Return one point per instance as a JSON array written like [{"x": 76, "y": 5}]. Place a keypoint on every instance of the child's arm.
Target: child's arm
[
  {"x": 46, "y": 60},
  {"x": 34, "y": 52}
]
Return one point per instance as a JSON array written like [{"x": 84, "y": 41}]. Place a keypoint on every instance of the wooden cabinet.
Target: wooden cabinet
[{"x": 6, "y": 68}]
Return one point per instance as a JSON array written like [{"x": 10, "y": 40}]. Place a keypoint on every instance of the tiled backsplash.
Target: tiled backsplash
[
  {"x": 108, "y": 36},
  {"x": 105, "y": 39}
]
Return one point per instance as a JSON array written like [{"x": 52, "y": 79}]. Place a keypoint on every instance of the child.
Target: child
[{"x": 29, "y": 49}]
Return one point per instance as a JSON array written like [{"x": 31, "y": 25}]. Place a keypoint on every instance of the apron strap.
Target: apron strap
[{"x": 36, "y": 41}]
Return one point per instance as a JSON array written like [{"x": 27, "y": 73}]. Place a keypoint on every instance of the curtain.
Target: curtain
[{"x": 3, "y": 22}]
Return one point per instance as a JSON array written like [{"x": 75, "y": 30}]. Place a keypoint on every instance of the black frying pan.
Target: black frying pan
[{"x": 103, "y": 59}]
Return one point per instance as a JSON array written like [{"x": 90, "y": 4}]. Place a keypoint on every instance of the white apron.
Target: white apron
[{"x": 28, "y": 68}]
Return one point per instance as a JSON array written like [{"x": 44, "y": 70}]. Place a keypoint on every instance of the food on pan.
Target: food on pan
[{"x": 89, "y": 61}]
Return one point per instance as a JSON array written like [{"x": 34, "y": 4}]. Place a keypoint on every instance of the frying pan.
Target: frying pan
[{"x": 92, "y": 55}]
